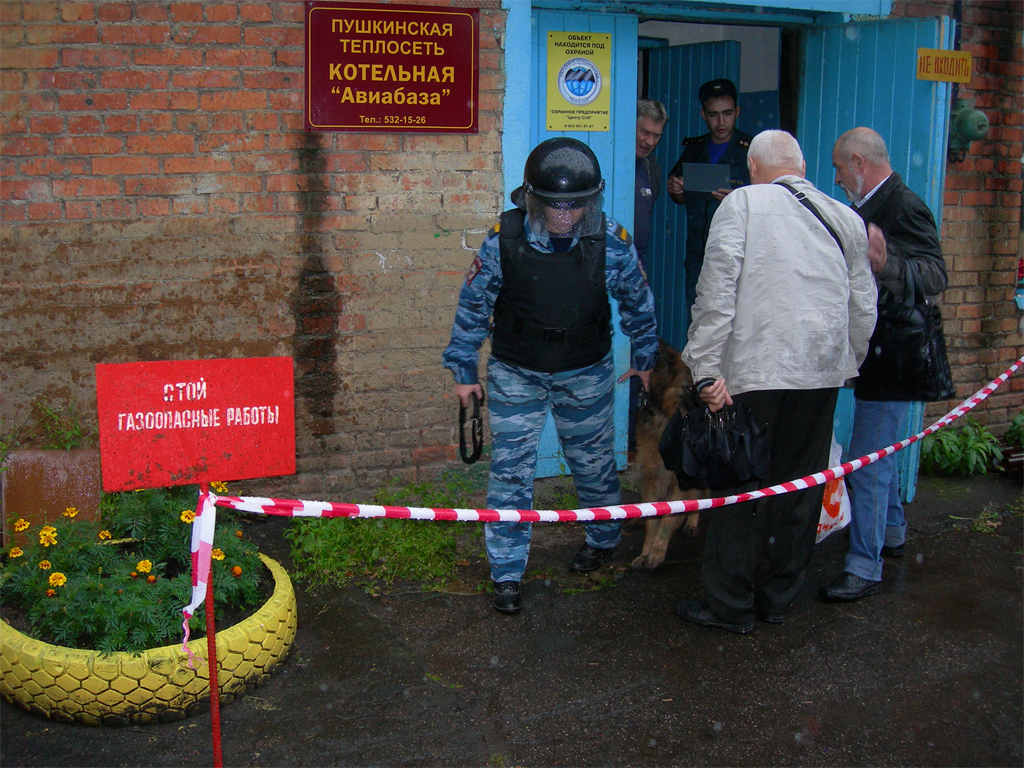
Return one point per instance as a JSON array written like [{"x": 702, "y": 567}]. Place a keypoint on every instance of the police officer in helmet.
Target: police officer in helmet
[{"x": 539, "y": 288}]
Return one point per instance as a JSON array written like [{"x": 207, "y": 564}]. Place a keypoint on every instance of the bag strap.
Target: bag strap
[{"x": 810, "y": 207}]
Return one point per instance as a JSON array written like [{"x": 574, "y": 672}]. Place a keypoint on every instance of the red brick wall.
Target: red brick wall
[
  {"x": 160, "y": 200},
  {"x": 982, "y": 208}
]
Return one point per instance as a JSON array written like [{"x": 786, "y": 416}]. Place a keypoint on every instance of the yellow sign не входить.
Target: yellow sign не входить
[
  {"x": 944, "y": 66},
  {"x": 579, "y": 81}
]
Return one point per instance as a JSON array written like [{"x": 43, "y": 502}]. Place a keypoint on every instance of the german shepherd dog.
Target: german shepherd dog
[{"x": 670, "y": 387}]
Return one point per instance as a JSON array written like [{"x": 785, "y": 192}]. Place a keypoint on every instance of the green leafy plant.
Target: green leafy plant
[
  {"x": 1016, "y": 508},
  {"x": 59, "y": 426},
  {"x": 987, "y": 522},
  {"x": 49, "y": 426},
  {"x": 1015, "y": 432},
  {"x": 335, "y": 551},
  {"x": 119, "y": 583},
  {"x": 966, "y": 450}
]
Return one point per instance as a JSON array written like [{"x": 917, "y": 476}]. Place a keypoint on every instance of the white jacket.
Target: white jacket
[{"x": 778, "y": 305}]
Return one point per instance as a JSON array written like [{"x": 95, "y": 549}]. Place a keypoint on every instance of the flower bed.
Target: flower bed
[
  {"x": 88, "y": 687},
  {"x": 119, "y": 583}
]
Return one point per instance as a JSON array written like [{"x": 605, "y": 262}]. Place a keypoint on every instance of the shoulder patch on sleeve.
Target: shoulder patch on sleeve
[
  {"x": 621, "y": 233},
  {"x": 474, "y": 270},
  {"x": 494, "y": 230}
]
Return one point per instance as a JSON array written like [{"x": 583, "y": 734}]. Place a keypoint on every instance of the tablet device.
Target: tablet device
[{"x": 705, "y": 177}]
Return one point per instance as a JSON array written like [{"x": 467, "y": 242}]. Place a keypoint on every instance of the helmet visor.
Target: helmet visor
[{"x": 571, "y": 216}]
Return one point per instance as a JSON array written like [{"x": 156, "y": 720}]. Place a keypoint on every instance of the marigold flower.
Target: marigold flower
[
  {"x": 51, "y": 592},
  {"x": 135, "y": 575},
  {"x": 21, "y": 525},
  {"x": 70, "y": 512},
  {"x": 45, "y": 565},
  {"x": 48, "y": 535},
  {"x": 15, "y": 552},
  {"x": 104, "y": 535},
  {"x": 217, "y": 554},
  {"x": 58, "y": 579},
  {"x": 151, "y": 578},
  {"x": 238, "y": 534},
  {"x": 144, "y": 566},
  {"x": 187, "y": 516},
  {"x": 219, "y": 487},
  {"x": 236, "y": 571}
]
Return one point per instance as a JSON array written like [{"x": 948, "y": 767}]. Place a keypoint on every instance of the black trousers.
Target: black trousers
[{"x": 756, "y": 554}]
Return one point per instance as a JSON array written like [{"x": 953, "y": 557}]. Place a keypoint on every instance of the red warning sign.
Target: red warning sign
[{"x": 193, "y": 421}]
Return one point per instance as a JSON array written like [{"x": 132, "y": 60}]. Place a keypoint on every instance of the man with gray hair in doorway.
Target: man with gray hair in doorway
[
  {"x": 785, "y": 307},
  {"x": 650, "y": 124},
  {"x": 911, "y": 244}
]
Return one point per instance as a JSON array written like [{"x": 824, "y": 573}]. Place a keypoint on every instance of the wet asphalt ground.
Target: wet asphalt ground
[{"x": 598, "y": 671}]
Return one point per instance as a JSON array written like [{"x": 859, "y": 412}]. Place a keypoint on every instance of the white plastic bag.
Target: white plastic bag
[{"x": 835, "y": 506}]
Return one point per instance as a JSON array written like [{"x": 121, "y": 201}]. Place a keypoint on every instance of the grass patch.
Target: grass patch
[{"x": 376, "y": 552}]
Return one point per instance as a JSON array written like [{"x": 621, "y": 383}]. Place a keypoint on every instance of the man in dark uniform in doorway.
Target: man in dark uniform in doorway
[{"x": 722, "y": 144}]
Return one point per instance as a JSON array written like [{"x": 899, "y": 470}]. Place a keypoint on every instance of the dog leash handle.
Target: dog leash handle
[{"x": 476, "y": 429}]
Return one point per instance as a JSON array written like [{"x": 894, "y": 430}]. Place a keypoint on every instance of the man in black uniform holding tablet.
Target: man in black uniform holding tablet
[{"x": 723, "y": 145}]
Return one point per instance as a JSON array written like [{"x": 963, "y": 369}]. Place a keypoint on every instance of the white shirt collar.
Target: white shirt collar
[{"x": 869, "y": 194}]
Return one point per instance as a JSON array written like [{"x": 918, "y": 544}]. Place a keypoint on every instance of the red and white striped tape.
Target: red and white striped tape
[{"x": 202, "y": 533}]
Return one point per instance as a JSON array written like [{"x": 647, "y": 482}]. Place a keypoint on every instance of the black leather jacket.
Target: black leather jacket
[
  {"x": 910, "y": 237},
  {"x": 910, "y": 234}
]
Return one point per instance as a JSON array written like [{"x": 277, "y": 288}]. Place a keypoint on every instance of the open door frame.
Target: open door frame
[{"x": 864, "y": 74}]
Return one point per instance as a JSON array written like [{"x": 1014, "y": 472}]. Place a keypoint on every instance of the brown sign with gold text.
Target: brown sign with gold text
[{"x": 397, "y": 68}]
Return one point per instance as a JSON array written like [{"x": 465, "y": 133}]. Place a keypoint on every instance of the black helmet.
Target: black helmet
[
  {"x": 561, "y": 191},
  {"x": 563, "y": 170}
]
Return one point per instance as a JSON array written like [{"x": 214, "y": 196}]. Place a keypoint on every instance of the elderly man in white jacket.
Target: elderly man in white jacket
[{"x": 786, "y": 304}]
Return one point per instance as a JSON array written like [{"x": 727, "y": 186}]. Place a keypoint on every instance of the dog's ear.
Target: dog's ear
[{"x": 680, "y": 372}]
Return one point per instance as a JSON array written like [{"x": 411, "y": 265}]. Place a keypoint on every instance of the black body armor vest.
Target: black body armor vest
[{"x": 552, "y": 313}]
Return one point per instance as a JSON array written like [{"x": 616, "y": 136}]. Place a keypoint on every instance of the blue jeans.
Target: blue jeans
[
  {"x": 517, "y": 403},
  {"x": 875, "y": 507}
]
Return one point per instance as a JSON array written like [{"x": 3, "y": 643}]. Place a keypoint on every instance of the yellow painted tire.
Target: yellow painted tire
[{"x": 75, "y": 686}]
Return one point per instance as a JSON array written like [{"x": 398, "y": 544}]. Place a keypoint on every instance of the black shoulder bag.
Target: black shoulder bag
[{"x": 907, "y": 355}]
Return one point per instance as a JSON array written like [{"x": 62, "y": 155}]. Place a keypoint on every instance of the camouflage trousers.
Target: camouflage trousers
[{"x": 518, "y": 402}]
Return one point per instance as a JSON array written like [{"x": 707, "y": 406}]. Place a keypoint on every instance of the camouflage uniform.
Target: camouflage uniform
[{"x": 518, "y": 399}]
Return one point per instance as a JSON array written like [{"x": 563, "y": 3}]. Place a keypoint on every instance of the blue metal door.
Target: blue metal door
[
  {"x": 864, "y": 74},
  {"x": 616, "y": 152},
  {"x": 674, "y": 75}
]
